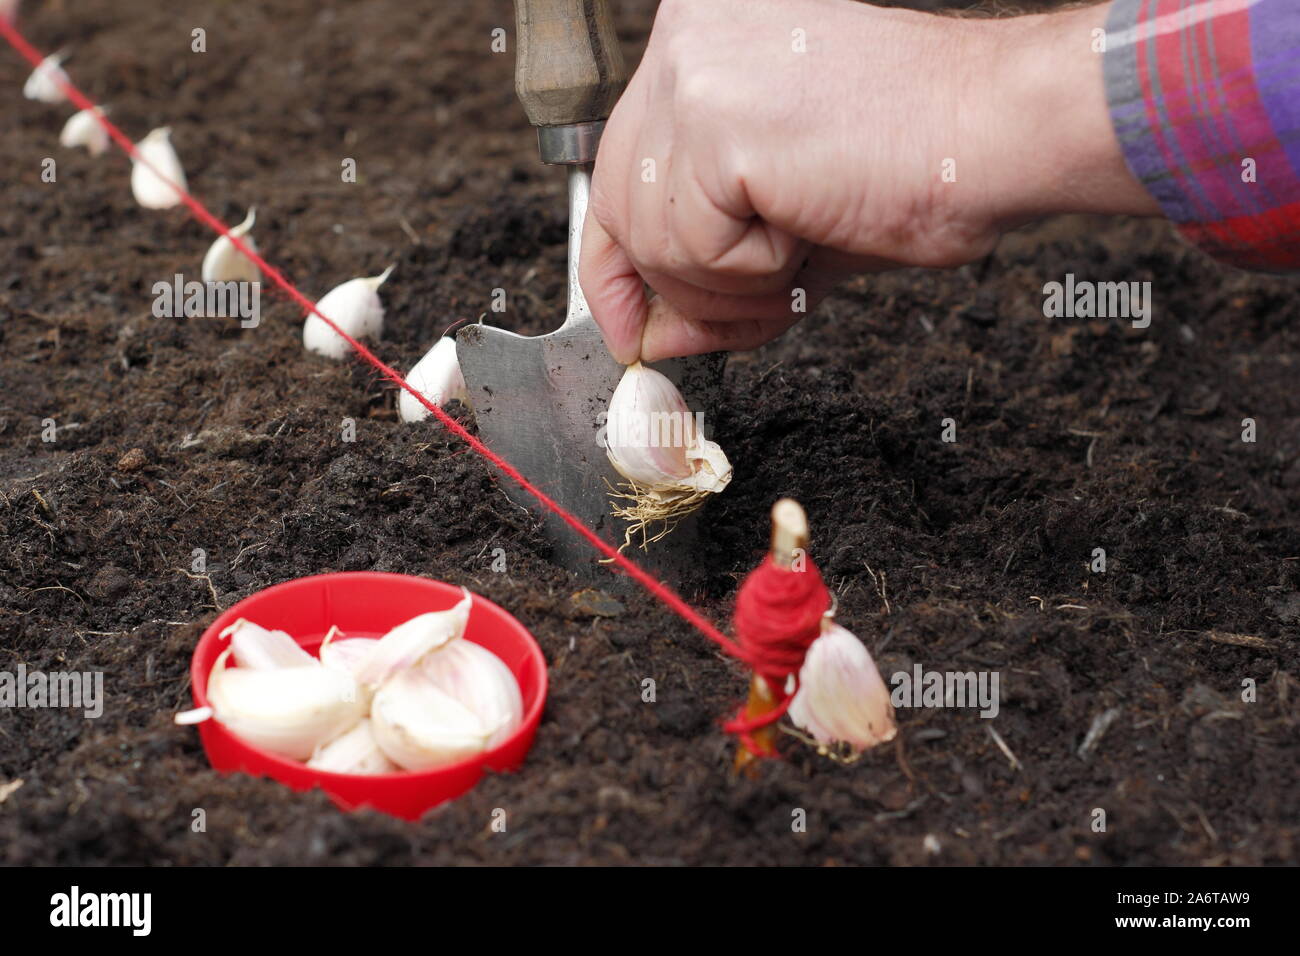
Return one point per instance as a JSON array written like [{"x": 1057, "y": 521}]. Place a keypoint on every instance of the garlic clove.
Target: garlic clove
[
  {"x": 225, "y": 263},
  {"x": 842, "y": 697},
  {"x": 84, "y": 129},
  {"x": 44, "y": 82},
  {"x": 653, "y": 440},
  {"x": 418, "y": 726},
  {"x": 260, "y": 649},
  {"x": 157, "y": 190},
  {"x": 289, "y": 711},
  {"x": 642, "y": 401},
  {"x": 354, "y": 307},
  {"x": 347, "y": 655},
  {"x": 437, "y": 377},
  {"x": 353, "y": 752},
  {"x": 409, "y": 641},
  {"x": 480, "y": 681}
]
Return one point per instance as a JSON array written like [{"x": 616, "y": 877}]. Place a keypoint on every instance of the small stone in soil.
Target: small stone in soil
[
  {"x": 591, "y": 602},
  {"x": 133, "y": 460},
  {"x": 109, "y": 582}
]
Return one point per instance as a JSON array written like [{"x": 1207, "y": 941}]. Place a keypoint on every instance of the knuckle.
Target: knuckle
[
  {"x": 670, "y": 14},
  {"x": 647, "y": 250},
  {"x": 696, "y": 92}
]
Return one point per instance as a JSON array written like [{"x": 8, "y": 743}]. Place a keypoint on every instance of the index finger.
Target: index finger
[{"x": 614, "y": 290}]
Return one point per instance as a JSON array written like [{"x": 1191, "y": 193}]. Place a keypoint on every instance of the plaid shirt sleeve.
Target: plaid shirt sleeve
[{"x": 1205, "y": 99}]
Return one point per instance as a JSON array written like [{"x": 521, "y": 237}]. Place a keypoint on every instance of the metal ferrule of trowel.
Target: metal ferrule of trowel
[{"x": 541, "y": 401}]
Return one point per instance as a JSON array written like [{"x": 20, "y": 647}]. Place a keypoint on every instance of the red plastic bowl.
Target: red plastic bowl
[{"x": 368, "y": 604}]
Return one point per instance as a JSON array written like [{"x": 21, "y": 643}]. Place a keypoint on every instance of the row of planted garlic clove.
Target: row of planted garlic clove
[
  {"x": 354, "y": 305},
  {"x": 666, "y": 480},
  {"x": 154, "y": 181},
  {"x": 421, "y": 696}
]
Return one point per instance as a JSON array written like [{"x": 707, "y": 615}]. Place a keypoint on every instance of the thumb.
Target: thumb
[
  {"x": 614, "y": 290},
  {"x": 669, "y": 333}
]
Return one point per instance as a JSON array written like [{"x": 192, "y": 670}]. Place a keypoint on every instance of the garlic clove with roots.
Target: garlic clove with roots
[
  {"x": 354, "y": 752},
  {"x": 256, "y": 647},
  {"x": 223, "y": 261},
  {"x": 157, "y": 187},
  {"x": 84, "y": 129},
  {"x": 405, "y": 644},
  {"x": 44, "y": 82},
  {"x": 289, "y": 711},
  {"x": 355, "y": 308},
  {"x": 842, "y": 698},
  {"x": 437, "y": 377},
  {"x": 653, "y": 440}
]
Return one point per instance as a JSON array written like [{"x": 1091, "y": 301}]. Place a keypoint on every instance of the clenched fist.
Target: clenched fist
[{"x": 765, "y": 149}]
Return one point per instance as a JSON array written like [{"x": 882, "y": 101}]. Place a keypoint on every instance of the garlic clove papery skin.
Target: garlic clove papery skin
[
  {"x": 223, "y": 262},
  {"x": 842, "y": 697},
  {"x": 43, "y": 84},
  {"x": 288, "y": 711},
  {"x": 437, "y": 377},
  {"x": 157, "y": 190},
  {"x": 405, "y": 644},
  {"x": 710, "y": 469},
  {"x": 652, "y": 438},
  {"x": 84, "y": 129},
  {"x": 480, "y": 681},
  {"x": 257, "y": 648},
  {"x": 418, "y": 726},
  {"x": 353, "y": 752},
  {"x": 355, "y": 308}
]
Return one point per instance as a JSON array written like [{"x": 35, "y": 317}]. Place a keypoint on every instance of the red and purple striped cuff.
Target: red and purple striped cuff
[{"x": 1205, "y": 100}]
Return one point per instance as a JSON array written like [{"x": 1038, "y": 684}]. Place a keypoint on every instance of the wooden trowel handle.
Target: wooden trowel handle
[{"x": 568, "y": 65}]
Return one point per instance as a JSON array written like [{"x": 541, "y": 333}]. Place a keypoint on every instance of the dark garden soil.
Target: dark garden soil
[{"x": 183, "y": 434}]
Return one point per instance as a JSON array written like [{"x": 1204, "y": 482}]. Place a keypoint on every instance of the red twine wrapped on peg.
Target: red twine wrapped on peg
[{"x": 778, "y": 615}]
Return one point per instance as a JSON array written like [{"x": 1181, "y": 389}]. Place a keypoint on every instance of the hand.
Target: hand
[{"x": 738, "y": 170}]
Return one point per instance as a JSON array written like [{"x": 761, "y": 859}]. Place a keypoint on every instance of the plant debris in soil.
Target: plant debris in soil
[{"x": 181, "y": 439}]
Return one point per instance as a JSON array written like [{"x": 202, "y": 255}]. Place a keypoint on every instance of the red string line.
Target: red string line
[{"x": 657, "y": 588}]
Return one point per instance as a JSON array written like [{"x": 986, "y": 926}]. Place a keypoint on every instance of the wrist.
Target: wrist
[{"x": 1057, "y": 151}]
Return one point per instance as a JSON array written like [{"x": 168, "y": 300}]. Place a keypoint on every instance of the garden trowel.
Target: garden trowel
[{"x": 541, "y": 401}]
